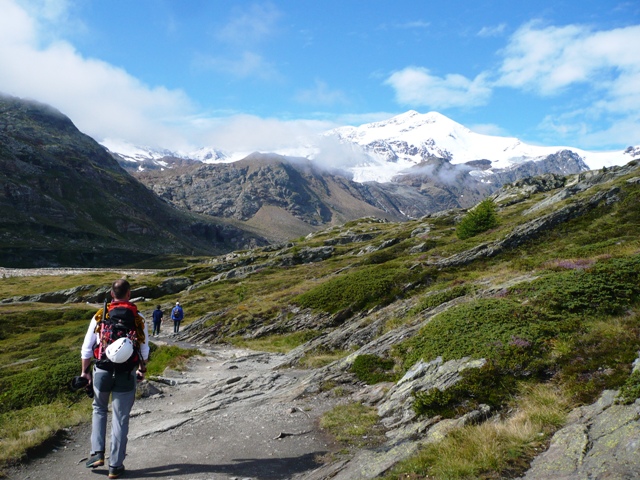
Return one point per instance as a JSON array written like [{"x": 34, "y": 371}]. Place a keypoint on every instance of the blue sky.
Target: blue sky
[{"x": 257, "y": 75}]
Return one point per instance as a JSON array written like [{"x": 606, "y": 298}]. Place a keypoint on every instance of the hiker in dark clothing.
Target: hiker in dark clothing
[
  {"x": 177, "y": 314},
  {"x": 157, "y": 320}
]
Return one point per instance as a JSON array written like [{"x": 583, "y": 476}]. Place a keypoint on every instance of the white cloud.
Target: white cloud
[
  {"x": 579, "y": 127},
  {"x": 16, "y": 26},
  {"x": 493, "y": 31},
  {"x": 102, "y": 100},
  {"x": 107, "y": 102},
  {"x": 360, "y": 118},
  {"x": 242, "y": 36},
  {"x": 251, "y": 25},
  {"x": 248, "y": 133},
  {"x": 605, "y": 64},
  {"x": 546, "y": 60},
  {"x": 321, "y": 94},
  {"x": 415, "y": 86},
  {"x": 420, "y": 24},
  {"x": 245, "y": 65},
  {"x": 409, "y": 25}
]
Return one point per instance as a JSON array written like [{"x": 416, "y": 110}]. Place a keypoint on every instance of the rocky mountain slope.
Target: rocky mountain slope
[
  {"x": 65, "y": 200},
  {"x": 284, "y": 197}
]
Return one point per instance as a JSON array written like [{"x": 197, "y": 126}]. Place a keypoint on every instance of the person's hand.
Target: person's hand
[{"x": 86, "y": 375}]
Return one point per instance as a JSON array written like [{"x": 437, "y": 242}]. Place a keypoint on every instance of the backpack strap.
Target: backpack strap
[{"x": 97, "y": 352}]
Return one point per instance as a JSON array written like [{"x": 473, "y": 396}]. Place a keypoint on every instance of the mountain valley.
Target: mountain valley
[{"x": 70, "y": 202}]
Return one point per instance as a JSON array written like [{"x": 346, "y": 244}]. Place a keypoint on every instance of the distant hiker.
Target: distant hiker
[
  {"x": 157, "y": 320},
  {"x": 177, "y": 314},
  {"x": 117, "y": 339}
]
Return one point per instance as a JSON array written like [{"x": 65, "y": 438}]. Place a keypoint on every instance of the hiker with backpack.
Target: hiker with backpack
[
  {"x": 117, "y": 339},
  {"x": 177, "y": 314},
  {"x": 157, "y": 320}
]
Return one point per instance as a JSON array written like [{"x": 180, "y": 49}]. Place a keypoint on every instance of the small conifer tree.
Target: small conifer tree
[{"x": 482, "y": 218}]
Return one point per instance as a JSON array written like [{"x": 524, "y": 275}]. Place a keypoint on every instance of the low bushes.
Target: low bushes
[
  {"x": 438, "y": 298},
  {"x": 607, "y": 287},
  {"x": 480, "y": 329},
  {"x": 487, "y": 385},
  {"x": 44, "y": 384},
  {"x": 561, "y": 326},
  {"x": 372, "y": 369},
  {"x": 372, "y": 285}
]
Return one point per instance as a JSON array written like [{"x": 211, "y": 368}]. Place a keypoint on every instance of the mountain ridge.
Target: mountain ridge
[
  {"x": 380, "y": 150},
  {"x": 65, "y": 200}
]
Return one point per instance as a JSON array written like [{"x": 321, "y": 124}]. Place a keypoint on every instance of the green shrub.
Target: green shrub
[
  {"x": 478, "y": 329},
  {"x": 598, "y": 357},
  {"x": 630, "y": 391},
  {"x": 372, "y": 369},
  {"x": 46, "y": 381},
  {"x": 40, "y": 320},
  {"x": 373, "y": 285},
  {"x": 482, "y": 218},
  {"x": 608, "y": 287},
  {"x": 486, "y": 385},
  {"x": 438, "y": 298}
]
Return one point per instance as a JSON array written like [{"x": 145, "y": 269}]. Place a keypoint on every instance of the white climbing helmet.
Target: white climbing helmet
[{"x": 120, "y": 351}]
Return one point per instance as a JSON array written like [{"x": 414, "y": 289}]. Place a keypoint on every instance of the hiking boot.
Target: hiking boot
[
  {"x": 95, "y": 460},
  {"x": 115, "y": 472}
]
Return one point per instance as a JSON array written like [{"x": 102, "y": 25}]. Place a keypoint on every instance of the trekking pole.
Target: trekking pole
[{"x": 104, "y": 309}]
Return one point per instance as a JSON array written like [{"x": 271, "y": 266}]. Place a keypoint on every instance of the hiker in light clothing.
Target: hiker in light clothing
[
  {"x": 177, "y": 314},
  {"x": 114, "y": 382}
]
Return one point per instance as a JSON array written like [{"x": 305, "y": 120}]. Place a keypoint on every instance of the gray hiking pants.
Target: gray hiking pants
[{"x": 121, "y": 387}]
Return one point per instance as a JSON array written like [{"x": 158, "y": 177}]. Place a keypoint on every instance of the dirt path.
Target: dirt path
[{"x": 229, "y": 416}]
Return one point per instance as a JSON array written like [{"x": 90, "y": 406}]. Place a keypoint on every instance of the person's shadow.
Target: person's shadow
[{"x": 263, "y": 468}]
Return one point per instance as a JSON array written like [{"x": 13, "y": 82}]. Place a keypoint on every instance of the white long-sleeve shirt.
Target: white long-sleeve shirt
[{"x": 91, "y": 340}]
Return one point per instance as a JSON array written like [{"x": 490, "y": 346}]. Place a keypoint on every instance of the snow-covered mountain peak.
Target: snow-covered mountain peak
[
  {"x": 206, "y": 155},
  {"x": 401, "y": 127},
  {"x": 381, "y": 150}
]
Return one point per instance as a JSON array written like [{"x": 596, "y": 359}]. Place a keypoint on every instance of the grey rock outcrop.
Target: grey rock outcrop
[
  {"x": 306, "y": 255},
  {"x": 93, "y": 294},
  {"x": 397, "y": 407},
  {"x": 601, "y": 440}
]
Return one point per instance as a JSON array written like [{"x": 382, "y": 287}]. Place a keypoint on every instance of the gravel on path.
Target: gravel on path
[{"x": 228, "y": 416}]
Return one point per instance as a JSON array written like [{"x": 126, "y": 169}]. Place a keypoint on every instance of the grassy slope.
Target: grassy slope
[{"x": 576, "y": 348}]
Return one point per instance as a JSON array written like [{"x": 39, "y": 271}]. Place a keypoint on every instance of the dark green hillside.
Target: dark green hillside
[{"x": 66, "y": 201}]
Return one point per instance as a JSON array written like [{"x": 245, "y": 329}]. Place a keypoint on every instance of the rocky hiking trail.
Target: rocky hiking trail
[{"x": 229, "y": 415}]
